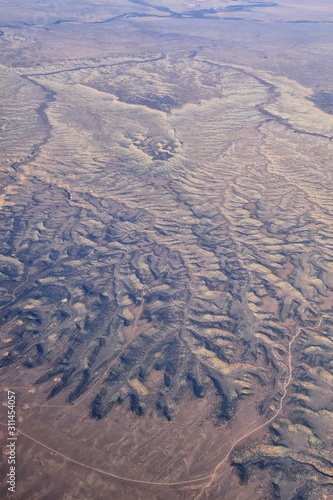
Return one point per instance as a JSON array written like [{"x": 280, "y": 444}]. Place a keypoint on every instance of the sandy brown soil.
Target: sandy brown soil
[{"x": 166, "y": 249}]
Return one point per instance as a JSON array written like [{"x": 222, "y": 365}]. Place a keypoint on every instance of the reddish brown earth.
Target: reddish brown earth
[{"x": 166, "y": 259}]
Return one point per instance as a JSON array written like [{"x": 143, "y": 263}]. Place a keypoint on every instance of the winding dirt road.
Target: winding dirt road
[{"x": 212, "y": 476}]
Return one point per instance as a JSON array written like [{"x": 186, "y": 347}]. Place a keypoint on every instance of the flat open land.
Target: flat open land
[{"x": 166, "y": 249}]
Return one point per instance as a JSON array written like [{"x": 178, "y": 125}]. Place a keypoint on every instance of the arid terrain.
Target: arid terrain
[{"x": 166, "y": 256}]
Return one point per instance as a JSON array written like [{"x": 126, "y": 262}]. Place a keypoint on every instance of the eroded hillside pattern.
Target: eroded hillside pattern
[{"x": 167, "y": 233}]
